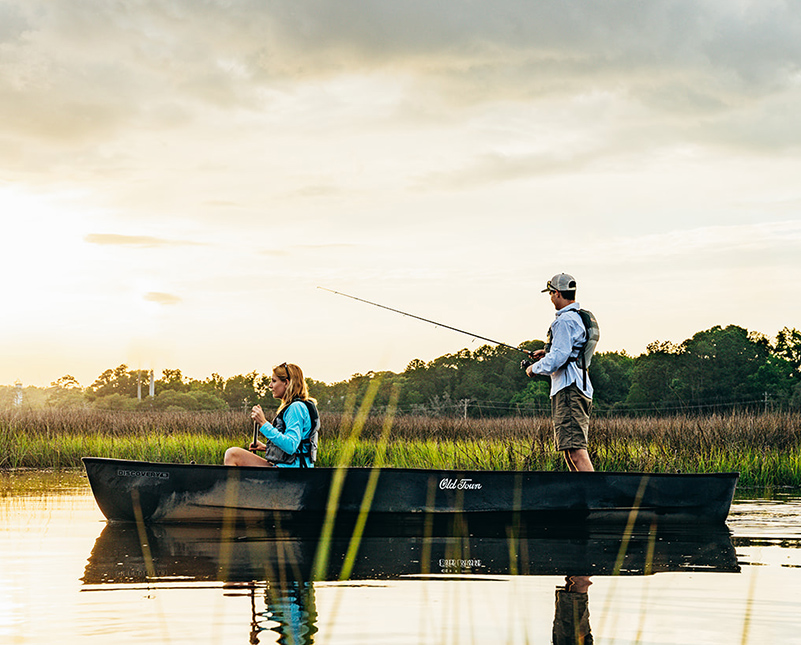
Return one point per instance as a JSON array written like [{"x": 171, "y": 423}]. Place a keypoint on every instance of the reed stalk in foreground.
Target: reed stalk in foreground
[{"x": 764, "y": 448}]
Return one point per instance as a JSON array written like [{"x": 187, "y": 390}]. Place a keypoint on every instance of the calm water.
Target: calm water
[{"x": 65, "y": 576}]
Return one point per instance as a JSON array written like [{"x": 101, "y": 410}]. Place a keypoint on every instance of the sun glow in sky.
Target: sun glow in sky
[{"x": 176, "y": 178}]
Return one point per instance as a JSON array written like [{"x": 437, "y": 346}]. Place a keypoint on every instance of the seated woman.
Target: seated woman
[{"x": 291, "y": 439}]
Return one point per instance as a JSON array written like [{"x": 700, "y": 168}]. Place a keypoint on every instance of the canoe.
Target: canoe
[{"x": 166, "y": 493}]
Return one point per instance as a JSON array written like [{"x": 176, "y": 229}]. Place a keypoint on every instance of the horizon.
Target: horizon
[{"x": 158, "y": 372}]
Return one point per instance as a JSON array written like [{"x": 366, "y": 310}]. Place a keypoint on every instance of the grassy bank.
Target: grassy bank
[{"x": 764, "y": 448}]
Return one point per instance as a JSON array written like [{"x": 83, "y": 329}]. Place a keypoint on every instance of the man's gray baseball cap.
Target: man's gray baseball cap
[{"x": 561, "y": 282}]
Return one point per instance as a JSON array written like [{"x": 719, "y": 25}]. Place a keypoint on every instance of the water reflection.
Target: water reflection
[
  {"x": 290, "y": 611},
  {"x": 125, "y": 553},
  {"x": 278, "y": 567},
  {"x": 571, "y": 621}
]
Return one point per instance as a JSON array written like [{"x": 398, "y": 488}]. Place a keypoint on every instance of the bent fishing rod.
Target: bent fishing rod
[{"x": 432, "y": 322}]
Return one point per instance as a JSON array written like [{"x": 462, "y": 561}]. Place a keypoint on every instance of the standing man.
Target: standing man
[{"x": 571, "y": 390}]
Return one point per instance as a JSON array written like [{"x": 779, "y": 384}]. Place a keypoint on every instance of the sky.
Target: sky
[{"x": 177, "y": 178}]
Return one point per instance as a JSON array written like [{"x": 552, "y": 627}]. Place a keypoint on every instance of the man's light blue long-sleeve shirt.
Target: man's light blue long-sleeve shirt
[
  {"x": 567, "y": 332},
  {"x": 298, "y": 426}
]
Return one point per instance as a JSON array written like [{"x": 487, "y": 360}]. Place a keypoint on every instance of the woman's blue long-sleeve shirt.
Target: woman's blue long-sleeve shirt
[{"x": 297, "y": 427}]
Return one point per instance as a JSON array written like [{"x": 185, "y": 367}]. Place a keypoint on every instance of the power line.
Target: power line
[{"x": 463, "y": 405}]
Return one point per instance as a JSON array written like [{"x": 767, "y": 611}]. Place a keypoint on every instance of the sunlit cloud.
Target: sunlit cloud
[
  {"x": 142, "y": 241},
  {"x": 322, "y": 248},
  {"x": 767, "y": 237},
  {"x": 157, "y": 68},
  {"x": 317, "y": 191},
  {"x": 162, "y": 298},
  {"x": 222, "y": 203}
]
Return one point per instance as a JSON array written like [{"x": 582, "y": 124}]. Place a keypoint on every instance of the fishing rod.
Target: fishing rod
[{"x": 432, "y": 322}]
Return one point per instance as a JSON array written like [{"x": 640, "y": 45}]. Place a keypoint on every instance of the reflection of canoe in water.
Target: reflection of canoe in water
[
  {"x": 168, "y": 493},
  {"x": 241, "y": 554}
]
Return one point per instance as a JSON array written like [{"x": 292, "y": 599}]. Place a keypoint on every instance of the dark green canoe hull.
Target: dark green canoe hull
[{"x": 169, "y": 493}]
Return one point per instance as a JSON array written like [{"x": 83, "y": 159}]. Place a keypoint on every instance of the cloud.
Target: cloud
[
  {"x": 319, "y": 190},
  {"x": 492, "y": 167},
  {"x": 162, "y": 298},
  {"x": 223, "y": 203},
  {"x": 306, "y": 251},
  {"x": 141, "y": 241},
  {"x": 768, "y": 238},
  {"x": 156, "y": 65}
]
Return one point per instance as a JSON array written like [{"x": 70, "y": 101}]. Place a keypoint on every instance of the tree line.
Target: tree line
[
  {"x": 720, "y": 369},
  {"x": 717, "y": 370}
]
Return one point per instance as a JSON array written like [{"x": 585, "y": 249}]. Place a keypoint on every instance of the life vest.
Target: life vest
[
  {"x": 307, "y": 449},
  {"x": 586, "y": 348}
]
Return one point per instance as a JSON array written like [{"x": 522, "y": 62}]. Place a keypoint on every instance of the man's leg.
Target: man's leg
[
  {"x": 579, "y": 460},
  {"x": 571, "y": 415}
]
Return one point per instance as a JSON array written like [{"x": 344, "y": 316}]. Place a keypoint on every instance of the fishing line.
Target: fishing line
[{"x": 432, "y": 322}]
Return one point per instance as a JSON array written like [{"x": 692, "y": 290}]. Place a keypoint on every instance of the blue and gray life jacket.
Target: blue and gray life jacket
[
  {"x": 586, "y": 348},
  {"x": 307, "y": 450}
]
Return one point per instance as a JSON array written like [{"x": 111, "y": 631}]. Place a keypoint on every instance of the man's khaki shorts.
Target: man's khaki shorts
[{"x": 571, "y": 418}]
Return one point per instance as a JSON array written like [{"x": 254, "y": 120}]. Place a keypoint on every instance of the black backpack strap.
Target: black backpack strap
[
  {"x": 581, "y": 360},
  {"x": 304, "y": 449}
]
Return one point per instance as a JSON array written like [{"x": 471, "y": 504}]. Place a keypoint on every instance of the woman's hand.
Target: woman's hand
[{"x": 257, "y": 414}]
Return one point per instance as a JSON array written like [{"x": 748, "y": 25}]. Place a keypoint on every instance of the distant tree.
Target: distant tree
[
  {"x": 773, "y": 382},
  {"x": 727, "y": 366},
  {"x": 119, "y": 380},
  {"x": 240, "y": 392},
  {"x": 174, "y": 400},
  {"x": 111, "y": 381},
  {"x": 611, "y": 377},
  {"x": 32, "y": 397},
  {"x": 317, "y": 389},
  {"x": 654, "y": 378},
  {"x": 536, "y": 397},
  {"x": 214, "y": 384},
  {"x": 66, "y": 392},
  {"x": 6, "y": 396},
  {"x": 115, "y": 401},
  {"x": 209, "y": 401},
  {"x": 193, "y": 400},
  {"x": 485, "y": 382},
  {"x": 492, "y": 375},
  {"x": 721, "y": 364},
  {"x": 788, "y": 347},
  {"x": 172, "y": 379},
  {"x": 795, "y": 397},
  {"x": 66, "y": 382}
]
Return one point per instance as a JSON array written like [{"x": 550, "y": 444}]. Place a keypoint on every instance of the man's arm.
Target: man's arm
[{"x": 561, "y": 348}]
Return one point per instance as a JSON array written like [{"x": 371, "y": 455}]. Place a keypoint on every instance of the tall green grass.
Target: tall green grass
[{"x": 764, "y": 448}]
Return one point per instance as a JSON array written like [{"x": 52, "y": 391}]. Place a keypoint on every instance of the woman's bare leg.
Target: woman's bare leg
[{"x": 242, "y": 457}]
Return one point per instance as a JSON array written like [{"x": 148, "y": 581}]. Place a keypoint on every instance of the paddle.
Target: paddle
[{"x": 254, "y": 445}]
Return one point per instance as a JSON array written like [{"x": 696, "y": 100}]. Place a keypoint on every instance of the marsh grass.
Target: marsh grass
[
  {"x": 764, "y": 448},
  {"x": 57, "y": 438}
]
